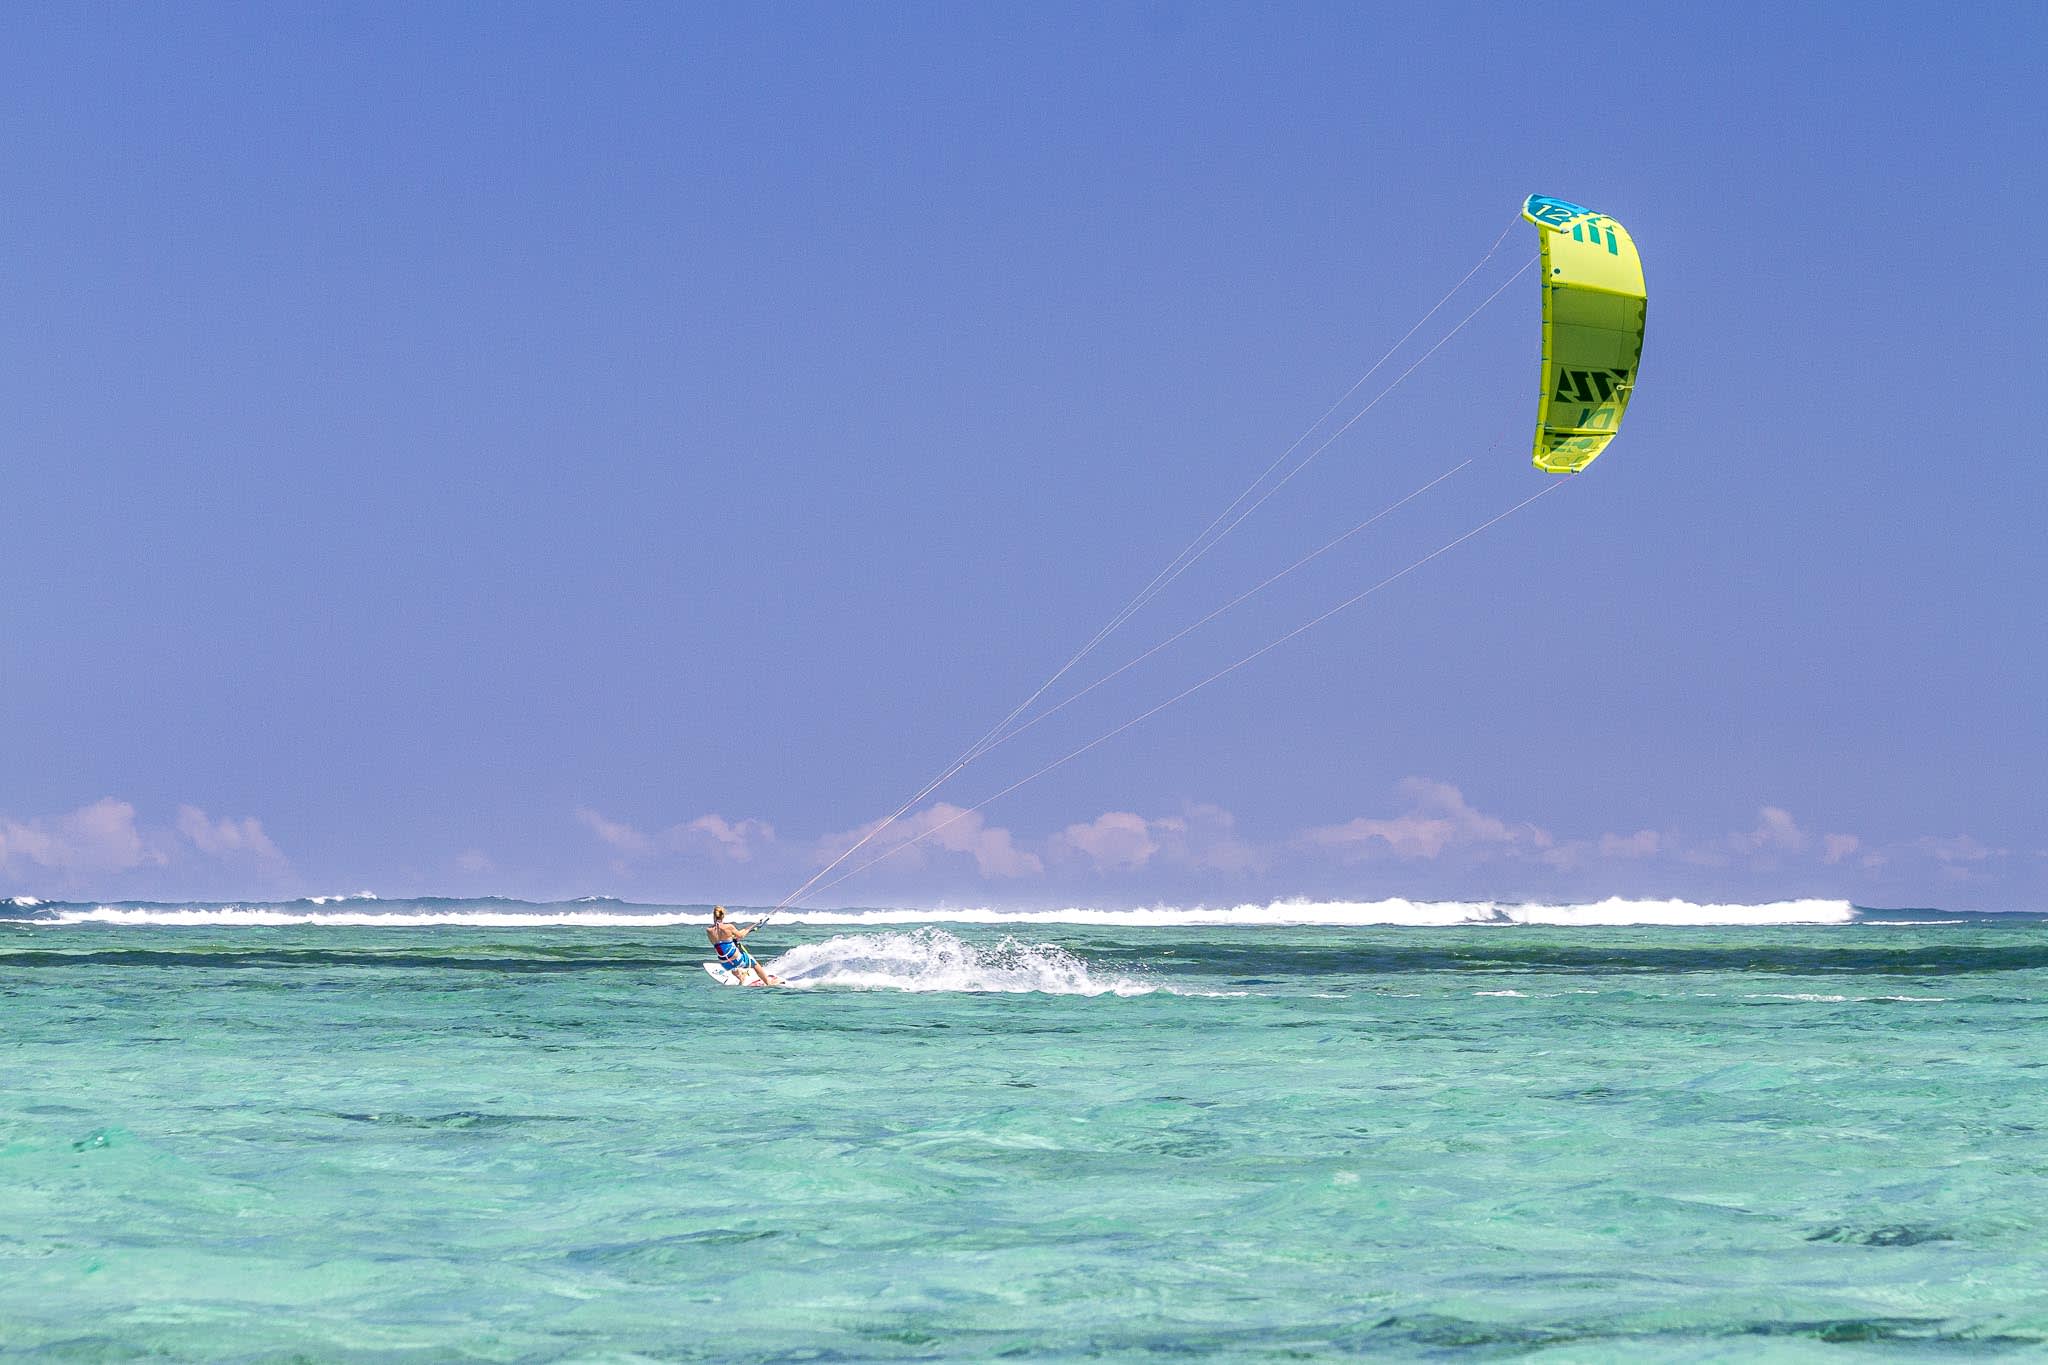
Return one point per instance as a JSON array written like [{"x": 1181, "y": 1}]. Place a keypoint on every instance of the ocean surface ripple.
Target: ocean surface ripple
[{"x": 359, "y": 1129}]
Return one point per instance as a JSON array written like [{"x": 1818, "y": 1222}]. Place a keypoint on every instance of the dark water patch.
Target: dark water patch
[
  {"x": 1431, "y": 1333},
  {"x": 1010, "y": 1029},
  {"x": 1595, "y": 1094},
  {"x": 662, "y": 1255},
  {"x": 1271, "y": 963},
  {"x": 613, "y": 1251},
  {"x": 1895, "y": 1235},
  {"x": 97, "y": 1347},
  {"x": 855, "y": 1025},
  {"x": 1442, "y": 1332},
  {"x": 459, "y": 1120},
  {"x": 1917, "y": 1331},
  {"x": 1196, "y": 1146},
  {"x": 902, "y": 1336},
  {"x": 844, "y": 1020}
]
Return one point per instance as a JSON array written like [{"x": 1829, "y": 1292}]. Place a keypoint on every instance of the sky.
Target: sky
[{"x": 625, "y": 449}]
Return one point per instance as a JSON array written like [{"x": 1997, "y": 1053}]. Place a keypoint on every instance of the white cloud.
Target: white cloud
[
  {"x": 733, "y": 839},
  {"x": 1835, "y": 847},
  {"x": 614, "y": 833},
  {"x": 1438, "y": 821},
  {"x": 1207, "y": 837},
  {"x": 1114, "y": 839},
  {"x": 1957, "y": 849},
  {"x": 1776, "y": 832},
  {"x": 1644, "y": 843},
  {"x": 93, "y": 840},
  {"x": 727, "y": 840},
  {"x": 1203, "y": 836},
  {"x": 1431, "y": 821},
  {"x": 1571, "y": 854},
  {"x": 475, "y": 860},
  {"x": 83, "y": 848},
  {"x": 944, "y": 827},
  {"x": 227, "y": 838}
]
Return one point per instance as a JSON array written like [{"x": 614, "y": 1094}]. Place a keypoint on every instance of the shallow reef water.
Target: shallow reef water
[{"x": 551, "y": 1138}]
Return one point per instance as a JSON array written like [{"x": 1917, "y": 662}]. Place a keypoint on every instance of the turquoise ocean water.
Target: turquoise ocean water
[{"x": 492, "y": 1131}]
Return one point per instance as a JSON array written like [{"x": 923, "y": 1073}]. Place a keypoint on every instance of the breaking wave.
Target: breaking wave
[
  {"x": 369, "y": 911},
  {"x": 365, "y": 911},
  {"x": 279, "y": 916},
  {"x": 1396, "y": 912}
]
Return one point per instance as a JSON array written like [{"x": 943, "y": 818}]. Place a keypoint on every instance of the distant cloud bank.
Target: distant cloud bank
[
  {"x": 1427, "y": 834},
  {"x": 104, "y": 844},
  {"x": 1428, "y": 826}
]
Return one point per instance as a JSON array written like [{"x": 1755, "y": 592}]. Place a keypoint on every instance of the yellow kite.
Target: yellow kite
[{"x": 1593, "y": 305}]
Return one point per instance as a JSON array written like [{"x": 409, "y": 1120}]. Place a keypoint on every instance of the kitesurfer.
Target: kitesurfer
[{"x": 732, "y": 953}]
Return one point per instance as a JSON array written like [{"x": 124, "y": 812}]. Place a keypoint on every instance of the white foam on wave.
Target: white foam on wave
[
  {"x": 1616, "y": 911},
  {"x": 1269, "y": 915},
  {"x": 1613, "y": 911},
  {"x": 277, "y": 916},
  {"x": 933, "y": 960},
  {"x": 596, "y": 912}
]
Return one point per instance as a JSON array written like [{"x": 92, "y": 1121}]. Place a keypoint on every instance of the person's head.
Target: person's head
[{"x": 717, "y": 913}]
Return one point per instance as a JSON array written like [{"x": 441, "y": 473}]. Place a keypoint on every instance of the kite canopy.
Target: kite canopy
[{"x": 1593, "y": 306}]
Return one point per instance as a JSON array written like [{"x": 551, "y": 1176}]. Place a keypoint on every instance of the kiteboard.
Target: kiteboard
[{"x": 719, "y": 973}]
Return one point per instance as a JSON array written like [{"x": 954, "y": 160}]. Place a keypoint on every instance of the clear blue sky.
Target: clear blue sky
[{"x": 459, "y": 448}]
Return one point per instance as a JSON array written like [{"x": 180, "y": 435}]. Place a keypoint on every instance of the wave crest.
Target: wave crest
[
  {"x": 1613, "y": 911},
  {"x": 355, "y": 912}
]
